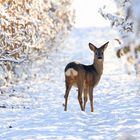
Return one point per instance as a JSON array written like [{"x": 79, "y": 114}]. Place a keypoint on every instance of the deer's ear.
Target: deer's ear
[
  {"x": 92, "y": 47},
  {"x": 105, "y": 45}
]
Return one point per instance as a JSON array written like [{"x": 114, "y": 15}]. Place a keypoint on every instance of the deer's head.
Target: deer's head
[{"x": 98, "y": 52}]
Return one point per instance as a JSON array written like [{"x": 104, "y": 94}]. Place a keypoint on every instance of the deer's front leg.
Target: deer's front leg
[
  {"x": 91, "y": 98},
  {"x": 85, "y": 96}
]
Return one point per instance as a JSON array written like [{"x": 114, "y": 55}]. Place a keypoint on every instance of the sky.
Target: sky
[{"x": 87, "y": 12}]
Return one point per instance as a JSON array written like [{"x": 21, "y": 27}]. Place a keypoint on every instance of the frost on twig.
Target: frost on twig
[{"x": 12, "y": 60}]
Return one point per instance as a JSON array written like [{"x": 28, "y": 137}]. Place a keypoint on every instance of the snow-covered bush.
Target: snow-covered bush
[
  {"x": 28, "y": 27},
  {"x": 126, "y": 20}
]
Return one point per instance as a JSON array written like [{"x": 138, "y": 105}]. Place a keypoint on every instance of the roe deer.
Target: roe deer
[{"x": 85, "y": 77}]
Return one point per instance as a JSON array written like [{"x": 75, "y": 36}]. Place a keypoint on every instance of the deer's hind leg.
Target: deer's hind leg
[{"x": 68, "y": 88}]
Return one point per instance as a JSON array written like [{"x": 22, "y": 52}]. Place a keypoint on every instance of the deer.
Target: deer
[{"x": 85, "y": 77}]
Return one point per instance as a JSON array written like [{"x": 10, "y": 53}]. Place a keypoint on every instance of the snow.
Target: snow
[{"x": 33, "y": 109}]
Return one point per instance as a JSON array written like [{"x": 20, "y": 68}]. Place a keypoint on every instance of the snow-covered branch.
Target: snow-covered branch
[
  {"x": 126, "y": 21},
  {"x": 13, "y": 60}
]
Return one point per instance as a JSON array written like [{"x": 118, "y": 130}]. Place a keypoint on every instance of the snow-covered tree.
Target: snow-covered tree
[
  {"x": 28, "y": 27},
  {"x": 126, "y": 21}
]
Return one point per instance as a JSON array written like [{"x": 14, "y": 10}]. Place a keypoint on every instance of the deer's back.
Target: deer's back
[{"x": 77, "y": 72}]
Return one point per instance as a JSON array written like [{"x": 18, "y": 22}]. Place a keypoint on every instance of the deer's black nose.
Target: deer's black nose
[{"x": 100, "y": 57}]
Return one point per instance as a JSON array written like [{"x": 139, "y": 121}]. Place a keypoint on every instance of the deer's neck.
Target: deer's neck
[{"x": 98, "y": 66}]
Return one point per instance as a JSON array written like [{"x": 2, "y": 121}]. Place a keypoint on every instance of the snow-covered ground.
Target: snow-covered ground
[{"x": 33, "y": 109}]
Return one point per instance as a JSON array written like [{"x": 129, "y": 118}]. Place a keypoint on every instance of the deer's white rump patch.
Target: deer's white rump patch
[{"x": 71, "y": 72}]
